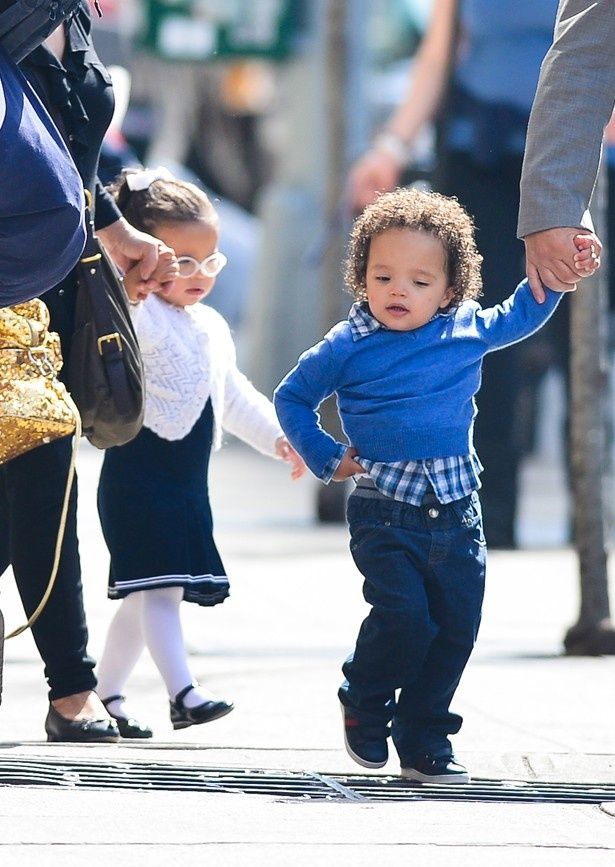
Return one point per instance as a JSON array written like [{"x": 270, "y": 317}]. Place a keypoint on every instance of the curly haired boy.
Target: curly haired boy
[{"x": 405, "y": 367}]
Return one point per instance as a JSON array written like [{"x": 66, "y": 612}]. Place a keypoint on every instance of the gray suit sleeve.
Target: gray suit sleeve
[{"x": 574, "y": 101}]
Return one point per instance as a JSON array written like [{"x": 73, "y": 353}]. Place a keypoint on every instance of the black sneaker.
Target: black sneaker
[
  {"x": 366, "y": 744},
  {"x": 428, "y": 769}
]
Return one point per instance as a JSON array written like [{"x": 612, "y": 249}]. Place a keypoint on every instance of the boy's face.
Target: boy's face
[
  {"x": 197, "y": 240},
  {"x": 406, "y": 278}
]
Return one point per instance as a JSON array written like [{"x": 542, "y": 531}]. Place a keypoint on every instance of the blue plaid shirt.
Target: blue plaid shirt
[{"x": 451, "y": 478}]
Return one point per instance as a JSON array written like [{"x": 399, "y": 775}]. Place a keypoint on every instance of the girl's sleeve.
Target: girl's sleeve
[
  {"x": 515, "y": 318},
  {"x": 297, "y": 399},
  {"x": 247, "y": 413}
]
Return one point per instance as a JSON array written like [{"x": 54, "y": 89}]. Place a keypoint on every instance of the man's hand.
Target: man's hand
[
  {"x": 130, "y": 248},
  {"x": 550, "y": 259},
  {"x": 348, "y": 466}
]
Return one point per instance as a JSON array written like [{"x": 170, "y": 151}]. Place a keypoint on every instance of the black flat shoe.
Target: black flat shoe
[
  {"x": 128, "y": 726},
  {"x": 84, "y": 731},
  {"x": 182, "y": 716}
]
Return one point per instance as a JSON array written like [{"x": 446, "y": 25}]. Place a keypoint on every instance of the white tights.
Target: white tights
[{"x": 148, "y": 618}]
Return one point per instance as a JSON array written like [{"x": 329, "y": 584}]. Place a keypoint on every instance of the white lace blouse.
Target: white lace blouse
[{"x": 189, "y": 355}]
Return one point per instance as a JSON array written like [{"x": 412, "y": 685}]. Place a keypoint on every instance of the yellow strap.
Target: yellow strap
[{"x": 60, "y": 537}]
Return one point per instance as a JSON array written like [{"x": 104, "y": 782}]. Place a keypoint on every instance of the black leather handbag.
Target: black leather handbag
[
  {"x": 105, "y": 372},
  {"x": 25, "y": 24}
]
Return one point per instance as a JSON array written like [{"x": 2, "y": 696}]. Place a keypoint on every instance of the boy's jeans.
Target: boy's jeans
[{"x": 424, "y": 570}]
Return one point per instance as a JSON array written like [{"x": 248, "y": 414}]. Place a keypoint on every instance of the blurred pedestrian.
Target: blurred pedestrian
[
  {"x": 405, "y": 367},
  {"x": 76, "y": 88},
  {"x": 153, "y": 497},
  {"x": 476, "y": 72},
  {"x": 573, "y": 104}
]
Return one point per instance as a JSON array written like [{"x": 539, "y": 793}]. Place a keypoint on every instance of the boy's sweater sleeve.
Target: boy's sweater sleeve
[
  {"x": 297, "y": 399},
  {"x": 515, "y": 318}
]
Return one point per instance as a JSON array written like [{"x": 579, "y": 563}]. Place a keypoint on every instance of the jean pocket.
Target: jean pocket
[
  {"x": 470, "y": 516},
  {"x": 362, "y": 531}
]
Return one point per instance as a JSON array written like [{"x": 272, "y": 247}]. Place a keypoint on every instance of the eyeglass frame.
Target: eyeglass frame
[{"x": 200, "y": 266}]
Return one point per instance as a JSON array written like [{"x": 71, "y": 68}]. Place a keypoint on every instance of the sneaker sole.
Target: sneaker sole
[
  {"x": 353, "y": 755},
  {"x": 448, "y": 779}
]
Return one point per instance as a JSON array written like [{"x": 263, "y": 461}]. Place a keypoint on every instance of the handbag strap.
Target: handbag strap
[
  {"x": 110, "y": 345},
  {"x": 59, "y": 539}
]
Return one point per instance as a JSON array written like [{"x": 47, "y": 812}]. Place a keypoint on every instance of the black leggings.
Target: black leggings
[{"x": 31, "y": 494}]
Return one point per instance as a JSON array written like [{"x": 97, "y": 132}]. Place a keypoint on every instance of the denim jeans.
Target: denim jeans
[{"x": 424, "y": 570}]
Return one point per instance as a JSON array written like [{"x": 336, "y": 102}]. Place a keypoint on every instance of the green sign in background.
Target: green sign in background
[{"x": 211, "y": 29}]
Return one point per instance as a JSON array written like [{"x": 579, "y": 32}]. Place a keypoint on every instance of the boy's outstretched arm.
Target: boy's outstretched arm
[{"x": 516, "y": 318}]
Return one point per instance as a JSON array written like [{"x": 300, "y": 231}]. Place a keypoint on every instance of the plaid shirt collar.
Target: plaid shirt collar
[{"x": 362, "y": 323}]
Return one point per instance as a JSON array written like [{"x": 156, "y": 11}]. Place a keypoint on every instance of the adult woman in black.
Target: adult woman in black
[{"x": 77, "y": 89}]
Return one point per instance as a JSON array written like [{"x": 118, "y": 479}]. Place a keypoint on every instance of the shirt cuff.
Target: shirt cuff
[{"x": 332, "y": 464}]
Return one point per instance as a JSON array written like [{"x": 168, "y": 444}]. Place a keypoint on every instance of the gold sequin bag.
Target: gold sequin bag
[{"x": 35, "y": 407}]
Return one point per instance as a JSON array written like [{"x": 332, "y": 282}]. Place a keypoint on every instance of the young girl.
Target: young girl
[
  {"x": 152, "y": 498},
  {"x": 405, "y": 367}
]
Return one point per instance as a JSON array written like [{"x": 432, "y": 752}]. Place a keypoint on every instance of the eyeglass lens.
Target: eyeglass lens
[{"x": 211, "y": 266}]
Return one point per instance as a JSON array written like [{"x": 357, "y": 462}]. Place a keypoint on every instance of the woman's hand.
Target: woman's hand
[
  {"x": 129, "y": 248},
  {"x": 377, "y": 171},
  {"x": 284, "y": 450},
  {"x": 348, "y": 466}
]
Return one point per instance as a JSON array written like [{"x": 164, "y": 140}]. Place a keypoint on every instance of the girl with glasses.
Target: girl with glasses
[{"x": 153, "y": 499}]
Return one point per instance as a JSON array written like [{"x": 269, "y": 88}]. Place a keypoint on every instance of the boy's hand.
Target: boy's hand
[
  {"x": 284, "y": 450},
  {"x": 587, "y": 257},
  {"x": 348, "y": 466},
  {"x": 163, "y": 276}
]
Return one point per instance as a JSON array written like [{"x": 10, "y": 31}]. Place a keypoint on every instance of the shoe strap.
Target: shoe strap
[
  {"x": 181, "y": 695},
  {"x": 113, "y": 698}
]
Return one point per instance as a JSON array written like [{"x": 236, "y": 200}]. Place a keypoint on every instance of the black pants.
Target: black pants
[
  {"x": 31, "y": 494},
  {"x": 504, "y": 427}
]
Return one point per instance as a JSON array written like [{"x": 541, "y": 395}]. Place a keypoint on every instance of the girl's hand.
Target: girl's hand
[
  {"x": 348, "y": 466},
  {"x": 587, "y": 257},
  {"x": 284, "y": 450},
  {"x": 165, "y": 272}
]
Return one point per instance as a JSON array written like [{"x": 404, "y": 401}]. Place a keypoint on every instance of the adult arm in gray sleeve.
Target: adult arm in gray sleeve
[{"x": 574, "y": 101}]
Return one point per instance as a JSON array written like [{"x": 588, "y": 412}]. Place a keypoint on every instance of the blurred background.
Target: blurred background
[{"x": 267, "y": 104}]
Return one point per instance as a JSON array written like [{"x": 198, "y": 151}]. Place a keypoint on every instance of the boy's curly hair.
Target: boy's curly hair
[
  {"x": 441, "y": 216},
  {"x": 164, "y": 201}
]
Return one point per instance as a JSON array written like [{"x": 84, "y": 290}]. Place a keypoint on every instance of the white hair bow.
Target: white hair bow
[{"x": 145, "y": 178}]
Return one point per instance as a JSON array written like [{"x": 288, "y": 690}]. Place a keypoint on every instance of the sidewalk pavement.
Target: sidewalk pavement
[{"x": 275, "y": 648}]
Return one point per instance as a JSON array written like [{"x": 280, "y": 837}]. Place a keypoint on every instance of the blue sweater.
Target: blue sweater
[{"x": 402, "y": 395}]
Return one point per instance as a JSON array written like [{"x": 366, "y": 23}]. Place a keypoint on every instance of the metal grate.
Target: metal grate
[{"x": 97, "y": 774}]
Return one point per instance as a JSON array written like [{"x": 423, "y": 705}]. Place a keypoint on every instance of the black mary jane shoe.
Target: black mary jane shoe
[
  {"x": 128, "y": 726},
  {"x": 182, "y": 716},
  {"x": 84, "y": 731}
]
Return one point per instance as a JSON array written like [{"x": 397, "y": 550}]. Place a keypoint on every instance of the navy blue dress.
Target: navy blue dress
[{"x": 154, "y": 509}]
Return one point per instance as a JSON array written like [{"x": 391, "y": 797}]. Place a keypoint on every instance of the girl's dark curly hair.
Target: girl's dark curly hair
[
  {"x": 164, "y": 201},
  {"x": 441, "y": 216}
]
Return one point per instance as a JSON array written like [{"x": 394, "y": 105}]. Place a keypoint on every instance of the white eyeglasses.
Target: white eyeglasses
[{"x": 210, "y": 267}]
